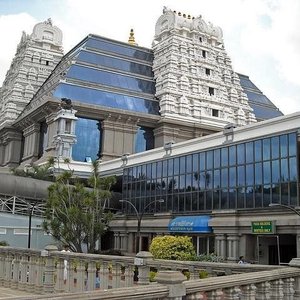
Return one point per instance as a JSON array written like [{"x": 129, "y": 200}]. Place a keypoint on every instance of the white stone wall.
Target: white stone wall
[
  {"x": 36, "y": 56},
  {"x": 195, "y": 80}
]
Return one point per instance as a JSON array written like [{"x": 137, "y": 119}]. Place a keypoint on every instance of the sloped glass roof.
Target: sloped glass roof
[
  {"x": 262, "y": 106},
  {"x": 112, "y": 74}
]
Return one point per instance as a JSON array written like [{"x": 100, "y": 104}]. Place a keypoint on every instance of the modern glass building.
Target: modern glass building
[{"x": 217, "y": 189}]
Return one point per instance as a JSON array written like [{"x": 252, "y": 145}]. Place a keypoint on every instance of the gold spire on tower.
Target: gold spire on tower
[{"x": 131, "y": 39}]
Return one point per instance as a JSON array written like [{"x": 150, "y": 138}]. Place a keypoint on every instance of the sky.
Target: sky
[{"x": 262, "y": 37}]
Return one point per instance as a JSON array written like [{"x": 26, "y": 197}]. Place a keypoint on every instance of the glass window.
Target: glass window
[
  {"x": 275, "y": 147},
  {"x": 224, "y": 157},
  {"x": 208, "y": 179},
  {"x": 249, "y": 197},
  {"x": 111, "y": 79},
  {"x": 208, "y": 199},
  {"x": 224, "y": 178},
  {"x": 293, "y": 194},
  {"x": 275, "y": 171},
  {"x": 176, "y": 166},
  {"x": 266, "y": 195},
  {"x": 241, "y": 153},
  {"x": 284, "y": 170},
  {"x": 258, "y": 173},
  {"x": 232, "y": 177},
  {"x": 267, "y": 172},
  {"x": 232, "y": 155},
  {"x": 258, "y": 150},
  {"x": 249, "y": 175},
  {"x": 88, "y": 134},
  {"x": 241, "y": 175},
  {"x": 164, "y": 168},
  {"x": 108, "y": 99},
  {"x": 202, "y": 164},
  {"x": 182, "y": 164},
  {"x": 240, "y": 197},
  {"x": 292, "y": 144},
  {"x": 114, "y": 62},
  {"x": 293, "y": 169},
  {"x": 209, "y": 160},
  {"x": 144, "y": 139},
  {"x": 217, "y": 158},
  {"x": 283, "y": 145},
  {"x": 189, "y": 164},
  {"x": 195, "y": 162},
  {"x": 216, "y": 200},
  {"x": 285, "y": 193},
  {"x": 266, "y": 149},
  {"x": 258, "y": 196},
  {"x": 249, "y": 152},
  {"x": 224, "y": 199},
  {"x": 170, "y": 167},
  {"x": 125, "y": 50},
  {"x": 216, "y": 178},
  {"x": 232, "y": 198}
]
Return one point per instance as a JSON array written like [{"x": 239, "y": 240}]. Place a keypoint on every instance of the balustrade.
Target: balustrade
[{"x": 44, "y": 273}]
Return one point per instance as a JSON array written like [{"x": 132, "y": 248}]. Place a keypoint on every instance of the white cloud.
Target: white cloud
[
  {"x": 11, "y": 27},
  {"x": 261, "y": 36}
]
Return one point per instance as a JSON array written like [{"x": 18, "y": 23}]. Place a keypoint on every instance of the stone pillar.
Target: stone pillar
[
  {"x": 49, "y": 270},
  {"x": 174, "y": 280},
  {"x": 91, "y": 284},
  {"x": 276, "y": 290},
  {"x": 263, "y": 291},
  {"x": 142, "y": 258},
  {"x": 248, "y": 292},
  {"x": 104, "y": 274},
  {"x": 232, "y": 247},
  {"x": 221, "y": 245},
  {"x": 288, "y": 288},
  {"x": 214, "y": 295},
  {"x": 118, "y": 137},
  {"x": 31, "y": 143},
  {"x": 231, "y": 293}
]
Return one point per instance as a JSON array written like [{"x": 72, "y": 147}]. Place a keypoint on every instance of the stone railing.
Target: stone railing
[{"x": 68, "y": 275}]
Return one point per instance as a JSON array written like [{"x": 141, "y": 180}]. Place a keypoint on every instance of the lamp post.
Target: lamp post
[
  {"x": 286, "y": 206},
  {"x": 139, "y": 217},
  {"x": 31, "y": 208}
]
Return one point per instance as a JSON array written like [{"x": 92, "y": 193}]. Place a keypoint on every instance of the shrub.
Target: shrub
[
  {"x": 173, "y": 248},
  {"x": 212, "y": 257},
  {"x": 4, "y": 243}
]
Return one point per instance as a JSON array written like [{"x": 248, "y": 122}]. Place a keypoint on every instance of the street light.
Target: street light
[
  {"x": 31, "y": 208},
  {"x": 139, "y": 217},
  {"x": 286, "y": 206}
]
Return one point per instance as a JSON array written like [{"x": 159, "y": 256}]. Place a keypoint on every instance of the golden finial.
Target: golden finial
[{"x": 131, "y": 39}]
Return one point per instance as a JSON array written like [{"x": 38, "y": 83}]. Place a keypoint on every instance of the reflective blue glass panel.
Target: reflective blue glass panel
[
  {"x": 108, "y": 99},
  {"x": 293, "y": 169},
  {"x": 115, "y": 63},
  {"x": 258, "y": 150},
  {"x": 263, "y": 112},
  {"x": 249, "y": 174},
  {"x": 275, "y": 171},
  {"x": 266, "y": 149},
  {"x": 119, "y": 49},
  {"x": 283, "y": 145},
  {"x": 88, "y": 140},
  {"x": 284, "y": 170},
  {"x": 217, "y": 158},
  {"x": 292, "y": 144},
  {"x": 111, "y": 79},
  {"x": 275, "y": 147},
  {"x": 144, "y": 139},
  {"x": 249, "y": 152},
  {"x": 246, "y": 82}
]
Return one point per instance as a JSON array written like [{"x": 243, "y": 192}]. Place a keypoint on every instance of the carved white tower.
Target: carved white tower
[
  {"x": 195, "y": 81},
  {"x": 37, "y": 55}
]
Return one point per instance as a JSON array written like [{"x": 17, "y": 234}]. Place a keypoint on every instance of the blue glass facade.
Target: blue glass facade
[
  {"x": 115, "y": 63},
  {"x": 104, "y": 98},
  {"x": 241, "y": 176},
  {"x": 111, "y": 79},
  {"x": 88, "y": 144},
  {"x": 144, "y": 139},
  {"x": 123, "y": 50}
]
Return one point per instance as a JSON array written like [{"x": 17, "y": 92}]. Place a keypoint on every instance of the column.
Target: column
[
  {"x": 221, "y": 245},
  {"x": 233, "y": 247}
]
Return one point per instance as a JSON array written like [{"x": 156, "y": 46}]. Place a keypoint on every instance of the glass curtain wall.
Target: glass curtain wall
[
  {"x": 88, "y": 135},
  {"x": 246, "y": 175}
]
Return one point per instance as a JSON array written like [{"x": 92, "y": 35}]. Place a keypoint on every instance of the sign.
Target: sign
[{"x": 263, "y": 227}]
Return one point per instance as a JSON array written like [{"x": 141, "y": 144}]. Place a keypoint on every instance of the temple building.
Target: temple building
[
  {"x": 197, "y": 148},
  {"x": 125, "y": 98}
]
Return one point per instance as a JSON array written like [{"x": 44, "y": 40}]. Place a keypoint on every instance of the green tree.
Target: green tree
[
  {"x": 74, "y": 213},
  {"x": 173, "y": 248}
]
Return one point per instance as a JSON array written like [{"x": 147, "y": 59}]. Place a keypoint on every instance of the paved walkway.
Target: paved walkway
[{"x": 7, "y": 293}]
